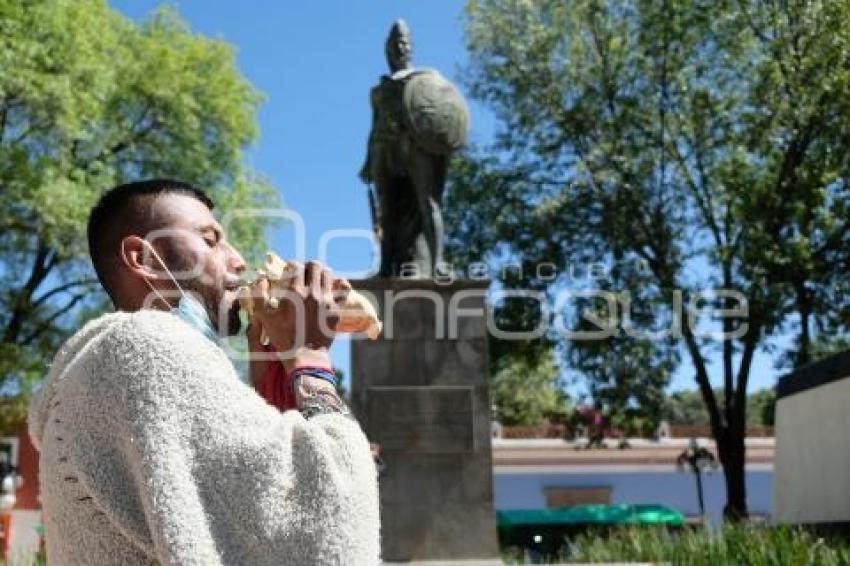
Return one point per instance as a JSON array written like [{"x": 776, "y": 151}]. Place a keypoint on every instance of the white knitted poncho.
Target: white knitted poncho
[{"x": 154, "y": 452}]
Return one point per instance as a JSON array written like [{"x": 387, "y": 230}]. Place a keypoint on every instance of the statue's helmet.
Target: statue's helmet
[{"x": 399, "y": 46}]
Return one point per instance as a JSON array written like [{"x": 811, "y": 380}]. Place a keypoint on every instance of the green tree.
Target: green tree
[
  {"x": 685, "y": 408},
  {"x": 627, "y": 378},
  {"x": 626, "y": 374},
  {"x": 89, "y": 99},
  {"x": 761, "y": 407},
  {"x": 826, "y": 346},
  {"x": 528, "y": 393},
  {"x": 705, "y": 141}
]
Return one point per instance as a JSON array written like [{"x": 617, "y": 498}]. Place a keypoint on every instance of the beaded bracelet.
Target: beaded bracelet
[{"x": 317, "y": 372}]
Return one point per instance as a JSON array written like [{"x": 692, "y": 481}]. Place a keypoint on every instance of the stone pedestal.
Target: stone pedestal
[{"x": 420, "y": 391}]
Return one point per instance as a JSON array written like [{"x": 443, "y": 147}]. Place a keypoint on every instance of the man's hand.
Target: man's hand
[{"x": 300, "y": 320}]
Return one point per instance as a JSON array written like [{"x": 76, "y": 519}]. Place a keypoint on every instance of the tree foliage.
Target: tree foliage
[
  {"x": 761, "y": 407},
  {"x": 627, "y": 372},
  {"x": 89, "y": 99},
  {"x": 528, "y": 393},
  {"x": 706, "y": 141},
  {"x": 687, "y": 408}
]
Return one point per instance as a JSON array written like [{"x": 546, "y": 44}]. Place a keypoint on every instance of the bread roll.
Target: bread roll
[{"x": 357, "y": 315}]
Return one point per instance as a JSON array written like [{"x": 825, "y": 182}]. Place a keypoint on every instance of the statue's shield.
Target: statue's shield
[{"x": 435, "y": 112}]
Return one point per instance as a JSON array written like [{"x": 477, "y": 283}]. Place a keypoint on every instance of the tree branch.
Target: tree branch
[
  {"x": 9, "y": 101},
  {"x": 832, "y": 241},
  {"x": 717, "y": 424},
  {"x": 742, "y": 7},
  {"x": 45, "y": 260},
  {"x": 4, "y": 112},
  {"x": 702, "y": 204},
  {"x": 728, "y": 378},
  {"x": 793, "y": 157},
  {"x": 740, "y": 406},
  {"x": 62, "y": 288},
  {"x": 135, "y": 133},
  {"x": 52, "y": 318}
]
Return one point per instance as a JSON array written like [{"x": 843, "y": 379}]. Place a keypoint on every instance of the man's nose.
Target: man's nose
[{"x": 236, "y": 262}]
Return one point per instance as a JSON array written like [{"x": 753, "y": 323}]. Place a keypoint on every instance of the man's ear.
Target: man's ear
[{"x": 134, "y": 252}]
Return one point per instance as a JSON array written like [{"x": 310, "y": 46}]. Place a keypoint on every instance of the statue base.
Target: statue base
[{"x": 420, "y": 391}]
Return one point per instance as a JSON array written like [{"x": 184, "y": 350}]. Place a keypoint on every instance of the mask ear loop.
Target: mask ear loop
[{"x": 168, "y": 271}]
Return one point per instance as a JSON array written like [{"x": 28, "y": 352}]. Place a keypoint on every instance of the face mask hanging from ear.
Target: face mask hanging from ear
[{"x": 188, "y": 307}]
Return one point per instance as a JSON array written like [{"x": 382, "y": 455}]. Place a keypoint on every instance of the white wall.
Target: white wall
[
  {"x": 813, "y": 455},
  {"x": 675, "y": 489}
]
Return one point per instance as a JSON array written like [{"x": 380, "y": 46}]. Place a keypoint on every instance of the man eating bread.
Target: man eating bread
[{"x": 153, "y": 451}]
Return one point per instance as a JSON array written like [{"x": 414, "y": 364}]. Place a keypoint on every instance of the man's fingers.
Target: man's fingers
[
  {"x": 260, "y": 296},
  {"x": 327, "y": 281},
  {"x": 313, "y": 277},
  {"x": 329, "y": 302},
  {"x": 341, "y": 284},
  {"x": 263, "y": 288},
  {"x": 296, "y": 273},
  {"x": 306, "y": 313},
  {"x": 320, "y": 280},
  {"x": 341, "y": 288}
]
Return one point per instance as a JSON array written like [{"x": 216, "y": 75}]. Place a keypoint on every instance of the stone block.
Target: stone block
[
  {"x": 426, "y": 420},
  {"x": 442, "y": 529},
  {"x": 443, "y": 476}
]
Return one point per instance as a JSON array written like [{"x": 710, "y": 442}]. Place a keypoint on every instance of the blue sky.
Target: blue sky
[{"x": 315, "y": 62}]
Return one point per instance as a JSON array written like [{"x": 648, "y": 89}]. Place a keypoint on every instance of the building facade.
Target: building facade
[{"x": 540, "y": 473}]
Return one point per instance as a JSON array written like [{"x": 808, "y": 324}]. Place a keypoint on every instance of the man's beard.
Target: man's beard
[
  {"x": 212, "y": 297},
  {"x": 225, "y": 321},
  {"x": 234, "y": 323}
]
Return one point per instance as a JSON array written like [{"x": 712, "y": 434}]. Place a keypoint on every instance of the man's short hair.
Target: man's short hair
[{"x": 124, "y": 211}]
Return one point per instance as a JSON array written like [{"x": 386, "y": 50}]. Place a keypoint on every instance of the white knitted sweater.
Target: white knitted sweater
[{"x": 154, "y": 452}]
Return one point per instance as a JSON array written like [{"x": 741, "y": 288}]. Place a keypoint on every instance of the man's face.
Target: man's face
[
  {"x": 401, "y": 50},
  {"x": 194, "y": 248}
]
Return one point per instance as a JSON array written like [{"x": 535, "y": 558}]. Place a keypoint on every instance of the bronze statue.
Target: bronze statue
[{"x": 418, "y": 120}]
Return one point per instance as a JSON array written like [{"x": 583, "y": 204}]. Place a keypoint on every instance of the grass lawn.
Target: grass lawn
[{"x": 733, "y": 545}]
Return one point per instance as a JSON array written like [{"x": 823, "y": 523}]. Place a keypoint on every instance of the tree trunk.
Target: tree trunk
[
  {"x": 728, "y": 429},
  {"x": 732, "y": 454}
]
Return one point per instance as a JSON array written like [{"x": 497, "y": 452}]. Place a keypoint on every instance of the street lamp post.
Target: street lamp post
[{"x": 697, "y": 459}]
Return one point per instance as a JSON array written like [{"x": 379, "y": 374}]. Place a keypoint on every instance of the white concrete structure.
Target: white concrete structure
[{"x": 813, "y": 444}]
